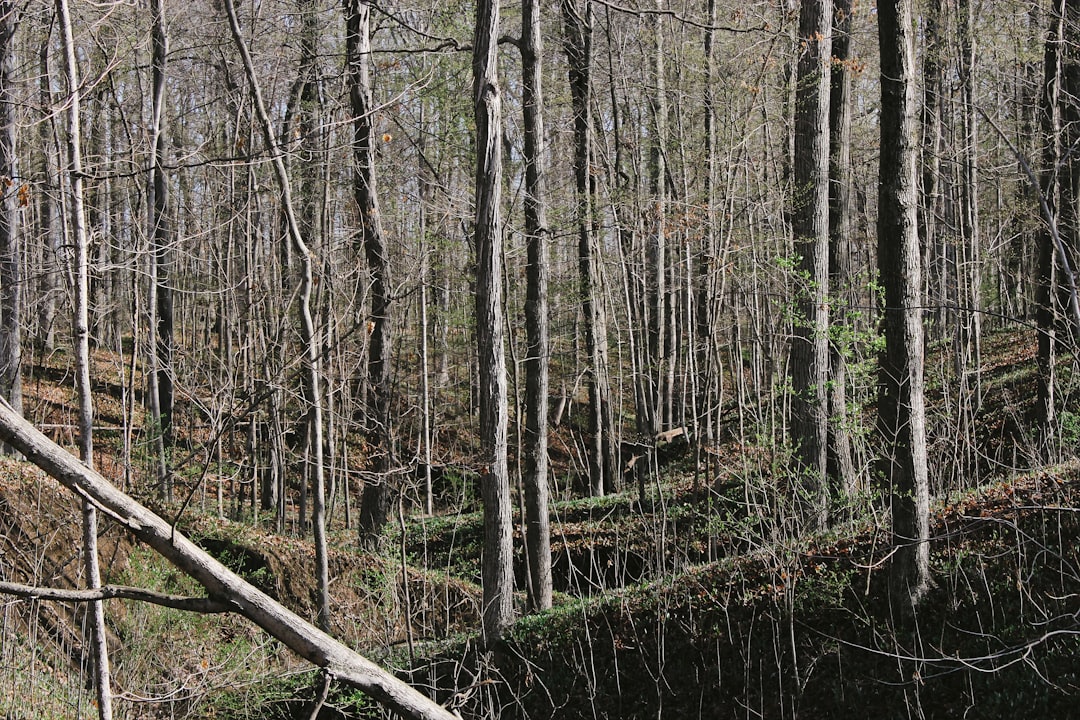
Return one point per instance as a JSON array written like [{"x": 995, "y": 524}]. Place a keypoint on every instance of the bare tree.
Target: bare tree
[
  {"x": 312, "y": 381},
  {"x": 578, "y": 27},
  {"x": 901, "y": 405},
  {"x": 10, "y": 244},
  {"x": 375, "y": 506},
  {"x": 535, "y": 461},
  {"x": 496, "y": 571},
  {"x": 809, "y": 361},
  {"x": 81, "y": 331}
]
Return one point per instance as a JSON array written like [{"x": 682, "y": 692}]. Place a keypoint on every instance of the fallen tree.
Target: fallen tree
[{"x": 221, "y": 584}]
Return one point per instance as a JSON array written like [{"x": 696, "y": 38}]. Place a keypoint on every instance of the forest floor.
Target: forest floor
[{"x": 697, "y": 601}]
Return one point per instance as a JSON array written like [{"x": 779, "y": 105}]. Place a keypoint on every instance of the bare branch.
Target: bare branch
[{"x": 204, "y": 605}]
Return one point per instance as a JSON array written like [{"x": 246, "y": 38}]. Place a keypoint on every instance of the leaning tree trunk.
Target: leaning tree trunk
[
  {"x": 901, "y": 405},
  {"x": 81, "y": 331},
  {"x": 223, "y": 587},
  {"x": 496, "y": 572},
  {"x": 537, "y": 528},
  {"x": 809, "y": 359}
]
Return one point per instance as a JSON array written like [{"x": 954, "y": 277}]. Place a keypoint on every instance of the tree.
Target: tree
[
  {"x": 577, "y": 24},
  {"x": 841, "y": 465},
  {"x": 809, "y": 359},
  {"x": 223, "y": 587},
  {"x": 496, "y": 571},
  {"x": 535, "y": 461},
  {"x": 901, "y": 404},
  {"x": 375, "y": 506},
  {"x": 10, "y": 244},
  {"x": 312, "y": 382},
  {"x": 81, "y": 332},
  {"x": 161, "y": 378}
]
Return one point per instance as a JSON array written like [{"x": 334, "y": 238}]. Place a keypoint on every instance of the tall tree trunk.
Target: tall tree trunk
[
  {"x": 160, "y": 237},
  {"x": 901, "y": 405},
  {"x": 312, "y": 381},
  {"x": 1046, "y": 316},
  {"x": 930, "y": 187},
  {"x": 497, "y": 571},
  {"x": 971, "y": 299},
  {"x": 537, "y": 530},
  {"x": 375, "y": 505},
  {"x": 657, "y": 262},
  {"x": 809, "y": 360},
  {"x": 841, "y": 465},
  {"x": 10, "y": 245},
  {"x": 577, "y": 23},
  {"x": 81, "y": 331}
]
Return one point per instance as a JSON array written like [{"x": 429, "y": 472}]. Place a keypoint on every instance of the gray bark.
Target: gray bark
[
  {"x": 312, "y": 389},
  {"x": 10, "y": 245},
  {"x": 537, "y": 526},
  {"x": 220, "y": 583},
  {"x": 81, "y": 332},
  {"x": 375, "y": 505},
  {"x": 901, "y": 404},
  {"x": 496, "y": 571}
]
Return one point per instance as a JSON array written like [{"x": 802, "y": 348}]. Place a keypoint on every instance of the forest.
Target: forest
[{"x": 563, "y": 359}]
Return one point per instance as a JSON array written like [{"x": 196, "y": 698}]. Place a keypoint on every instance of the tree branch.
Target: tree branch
[{"x": 204, "y": 605}]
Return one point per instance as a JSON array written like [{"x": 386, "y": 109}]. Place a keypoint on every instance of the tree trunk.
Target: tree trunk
[
  {"x": 81, "y": 332},
  {"x": 537, "y": 530},
  {"x": 577, "y": 23},
  {"x": 221, "y": 584},
  {"x": 809, "y": 360},
  {"x": 312, "y": 389},
  {"x": 375, "y": 505},
  {"x": 901, "y": 405},
  {"x": 10, "y": 244},
  {"x": 161, "y": 253},
  {"x": 1046, "y": 315},
  {"x": 841, "y": 465},
  {"x": 496, "y": 572}
]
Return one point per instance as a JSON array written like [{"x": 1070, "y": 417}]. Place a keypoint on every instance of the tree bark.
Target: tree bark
[
  {"x": 496, "y": 571},
  {"x": 312, "y": 381},
  {"x": 901, "y": 404},
  {"x": 221, "y": 584},
  {"x": 577, "y": 24},
  {"x": 809, "y": 359},
  {"x": 537, "y": 528},
  {"x": 841, "y": 465},
  {"x": 375, "y": 505},
  {"x": 81, "y": 332},
  {"x": 1046, "y": 315},
  {"x": 160, "y": 239},
  {"x": 10, "y": 244}
]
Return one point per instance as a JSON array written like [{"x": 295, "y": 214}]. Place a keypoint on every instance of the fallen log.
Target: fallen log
[{"x": 220, "y": 583}]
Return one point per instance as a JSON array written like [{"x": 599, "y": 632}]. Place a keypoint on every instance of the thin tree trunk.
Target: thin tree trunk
[
  {"x": 496, "y": 571},
  {"x": 1046, "y": 280},
  {"x": 841, "y": 465},
  {"x": 10, "y": 244},
  {"x": 312, "y": 383},
  {"x": 901, "y": 405},
  {"x": 81, "y": 331},
  {"x": 537, "y": 530},
  {"x": 161, "y": 254}
]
